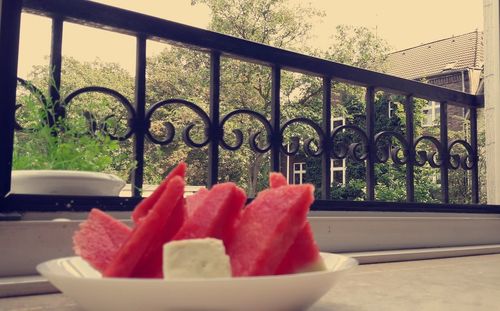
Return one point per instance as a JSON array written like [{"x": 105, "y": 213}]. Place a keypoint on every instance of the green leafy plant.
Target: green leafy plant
[{"x": 63, "y": 145}]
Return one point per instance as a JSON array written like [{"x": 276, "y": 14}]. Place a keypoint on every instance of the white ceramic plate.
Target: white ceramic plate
[
  {"x": 75, "y": 278},
  {"x": 65, "y": 183}
]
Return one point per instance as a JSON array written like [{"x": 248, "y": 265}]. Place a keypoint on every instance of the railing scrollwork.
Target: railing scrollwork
[
  {"x": 356, "y": 151},
  {"x": 294, "y": 145},
  {"x": 465, "y": 161},
  {"x": 131, "y": 117},
  {"x": 391, "y": 151},
  {"x": 432, "y": 157},
  {"x": 253, "y": 139},
  {"x": 170, "y": 129},
  {"x": 35, "y": 92}
]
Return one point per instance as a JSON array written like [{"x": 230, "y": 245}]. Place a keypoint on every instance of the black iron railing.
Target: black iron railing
[{"x": 218, "y": 45}]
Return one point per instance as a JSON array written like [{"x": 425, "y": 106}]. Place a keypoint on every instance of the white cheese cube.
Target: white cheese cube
[{"x": 195, "y": 258}]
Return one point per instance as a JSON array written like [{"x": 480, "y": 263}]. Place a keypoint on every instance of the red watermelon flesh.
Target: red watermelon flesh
[
  {"x": 99, "y": 238},
  {"x": 268, "y": 227},
  {"x": 277, "y": 180},
  {"x": 215, "y": 214},
  {"x": 147, "y": 204},
  {"x": 194, "y": 201},
  {"x": 304, "y": 251},
  {"x": 141, "y": 255}
]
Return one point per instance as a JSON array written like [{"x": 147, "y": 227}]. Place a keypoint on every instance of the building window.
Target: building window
[
  {"x": 336, "y": 122},
  {"x": 391, "y": 109},
  {"x": 432, "y": 114},
  {"x": 338, "y": 167},
  {"x": 299, "y": 172},
  {"x": 338, "y": 171}
]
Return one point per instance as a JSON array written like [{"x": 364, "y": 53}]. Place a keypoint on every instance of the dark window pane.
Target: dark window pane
[
  {"x": 338, "y": 177},
  {"x": 296, "y": 179},
  {"x": 337, "y": 163},
  {"x": 338, "y": 123}
]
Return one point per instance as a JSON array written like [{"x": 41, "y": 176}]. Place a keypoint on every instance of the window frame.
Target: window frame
[
  {"x": 372, "y": 229},
  {"x": 301, "y": 172},
  {"x": 333, "y": 167},
  {"x": 432, "y": 107}
]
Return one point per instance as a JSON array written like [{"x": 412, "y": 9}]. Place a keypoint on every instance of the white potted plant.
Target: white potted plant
[{"x": 64, "y": 158}]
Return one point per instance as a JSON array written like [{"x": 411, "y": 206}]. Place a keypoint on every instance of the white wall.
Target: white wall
[{"x": 492, "y": 97}]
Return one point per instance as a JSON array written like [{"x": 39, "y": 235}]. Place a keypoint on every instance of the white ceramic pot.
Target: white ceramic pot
[{"x": 65, "y": 183}]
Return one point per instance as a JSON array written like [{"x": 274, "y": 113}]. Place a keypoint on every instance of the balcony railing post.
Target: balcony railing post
[
  {"x": 410, "y": 165},
  {"x": 215, "y": 131},
  {"x": 139, "y": 122},
  {"x": 370, "y": 132},
  {"x": 10, "y": 22},
  {"x": 443, "y": 127},
  {"x": 55, "y": 71},
  {"x": 475, "y": 155},
  {"x": 275, "y": 119},
  {"x": 326, "y": 144}
]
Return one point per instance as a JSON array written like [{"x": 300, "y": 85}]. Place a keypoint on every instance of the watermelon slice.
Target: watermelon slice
[
  {"x": 268, "y": 227},
  {"x": 194, "y": 201},
  {"x": 141, "y": 255},
  {"x": 304, "y": 254},
  {"x": 215, "y": 214},
  {"x": 142, "y": 209},
  {"x": 99, "y": 238},
  {"x": 277, "y": 180}
]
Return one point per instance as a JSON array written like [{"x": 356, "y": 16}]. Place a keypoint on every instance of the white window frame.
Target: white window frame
[
  {"x": 432, "y": 107},
  {"x": 391, "y": 109},
  {"x": 301, "y": 172},
  {"x": 336, "y": 119},
  {"x": 334, "y": 169},
  {"x": 343, "y": 167}
]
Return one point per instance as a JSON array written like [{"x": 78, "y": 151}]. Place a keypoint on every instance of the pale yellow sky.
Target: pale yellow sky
[{"x": 403, "y": 23}]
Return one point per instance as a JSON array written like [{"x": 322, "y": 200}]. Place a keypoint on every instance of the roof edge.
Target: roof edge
[
  {"x": 477, "y": 31},
  {"x": 452, "y": 71}
]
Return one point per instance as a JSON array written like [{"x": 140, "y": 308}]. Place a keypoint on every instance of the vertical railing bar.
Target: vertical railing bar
[
  {"x": 443, "y": 124},
  {"x": 139, "y": 122},
  {"x": 276, "y": 138},
  {"x": 370, "y": 132},
  {"x": 215, "y": 131},
  {"x": 55, "y": 66},
  {"x": 326, "y": 144},
  {"x": 410, "y": 165},
  {"x": 10, "y": 23},
  {"x": 475, "y": 155}
]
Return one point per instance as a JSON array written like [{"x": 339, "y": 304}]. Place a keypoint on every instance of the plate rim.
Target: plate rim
[{"x": 350, "y": 264}]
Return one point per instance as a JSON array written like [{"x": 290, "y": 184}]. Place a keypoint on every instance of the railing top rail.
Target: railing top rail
[{"x": 132, "y": 23}]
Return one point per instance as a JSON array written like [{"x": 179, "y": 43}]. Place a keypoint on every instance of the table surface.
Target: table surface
[{"x": 463, "y": 283}]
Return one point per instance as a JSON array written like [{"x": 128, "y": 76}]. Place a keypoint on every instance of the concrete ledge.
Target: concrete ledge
[
  {"x": 25, "y": 285},
  {"x": 348, "y": 233},
  {"x": 421, "y": 254},
  {"x": 26, "y": 243}
]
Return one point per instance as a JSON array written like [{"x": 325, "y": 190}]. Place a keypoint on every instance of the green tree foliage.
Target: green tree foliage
[{"x": 272, "y": 22}]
